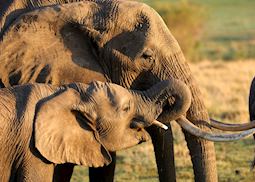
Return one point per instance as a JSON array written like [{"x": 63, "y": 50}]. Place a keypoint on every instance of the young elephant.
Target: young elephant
[{"x": 43, "y": 125}]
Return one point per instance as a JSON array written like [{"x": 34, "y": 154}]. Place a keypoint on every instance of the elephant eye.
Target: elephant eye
[
  {"x": 148, "y": 54},
  {"x": 126, "y": 107}
]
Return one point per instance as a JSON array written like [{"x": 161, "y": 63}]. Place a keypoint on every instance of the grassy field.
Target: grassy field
[
  {"x": 229, "y": 29},
  {"x": 225, "y": 87}
]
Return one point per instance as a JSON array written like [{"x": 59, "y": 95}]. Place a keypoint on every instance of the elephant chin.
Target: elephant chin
[
  {"x": 144, "y": 137},
  {"x": 136, "y": 136}
]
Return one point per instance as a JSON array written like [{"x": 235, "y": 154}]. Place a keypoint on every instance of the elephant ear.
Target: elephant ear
[
  {"x": 63, "y": 136},
  {"x": 42, "y": 44}
]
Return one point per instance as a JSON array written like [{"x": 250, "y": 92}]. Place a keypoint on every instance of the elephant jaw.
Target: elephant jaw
[{"x": 129, "y": 139}]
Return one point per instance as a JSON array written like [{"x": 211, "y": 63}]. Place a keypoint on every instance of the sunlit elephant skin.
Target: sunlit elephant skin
[
  {"x": 43, "y": 125},
  {"x": 124, "y": 42}
]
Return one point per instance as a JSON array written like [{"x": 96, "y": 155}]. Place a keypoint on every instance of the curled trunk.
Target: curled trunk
[
  {"x": 176, "y": 93},
  {"x": 152, "y": 101}
]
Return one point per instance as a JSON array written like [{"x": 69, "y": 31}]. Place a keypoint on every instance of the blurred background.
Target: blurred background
[
  {"x": 211, "y": 29},
  {"x": 218, "y": 40}
]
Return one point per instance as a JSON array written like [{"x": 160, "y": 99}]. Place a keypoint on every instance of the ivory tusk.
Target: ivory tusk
[
  {"x": 194, "y": 130},
  {"x": 231, "y": 127},
  {"x": 159, "y": 124}
]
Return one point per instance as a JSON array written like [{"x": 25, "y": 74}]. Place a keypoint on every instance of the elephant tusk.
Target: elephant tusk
[
  {"x": 231, "y": 127},
  {"x": 194, "y": 130},
  {"x": 159, "y": 124}
]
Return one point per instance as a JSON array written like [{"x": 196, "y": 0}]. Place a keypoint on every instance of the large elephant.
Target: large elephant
[
  {"x": 43, "y": 125},
  {"x": 123, "y": 42}
]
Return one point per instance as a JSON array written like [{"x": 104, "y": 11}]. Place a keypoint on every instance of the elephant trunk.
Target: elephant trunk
[
  {"x": 176, "y": 93},
  {"x": 150, "y": 103},
  {"x": 201, "y": 151}
]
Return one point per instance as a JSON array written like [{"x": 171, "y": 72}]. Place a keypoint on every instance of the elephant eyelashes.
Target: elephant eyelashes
[
  {"x": 139, "y": 26},
  {"x": 126, "y": 107},
  {"x": 143, "y": 23}
]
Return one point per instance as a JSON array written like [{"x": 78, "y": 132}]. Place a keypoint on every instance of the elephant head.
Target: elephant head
[{"x": 81, "y": 123}]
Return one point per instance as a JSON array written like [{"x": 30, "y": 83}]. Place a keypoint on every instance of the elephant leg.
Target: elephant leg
[
  {"x": 202, "y": 153},
  {"x": 103, "y": 174},
  {"x": 63, "y": 172},
  {"x": 164, "y": 152}
]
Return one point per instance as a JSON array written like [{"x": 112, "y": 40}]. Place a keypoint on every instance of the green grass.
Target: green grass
[{"x": 229, "y": 31}]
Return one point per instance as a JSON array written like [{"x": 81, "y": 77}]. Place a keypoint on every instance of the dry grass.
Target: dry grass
[{"x": 225, "y": 87}]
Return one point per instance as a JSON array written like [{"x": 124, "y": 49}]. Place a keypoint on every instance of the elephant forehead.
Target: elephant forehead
[
  {"x": 118, "y": 93},
  {"x": 113, "y": 93}
]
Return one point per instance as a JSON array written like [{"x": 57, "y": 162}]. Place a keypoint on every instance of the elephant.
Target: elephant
[
  {"x": 44, "y": 125},
  {"x": 252, "y": 100},
  {"x": 252, "y": 108},
  {"x": 123, "y": 42}
]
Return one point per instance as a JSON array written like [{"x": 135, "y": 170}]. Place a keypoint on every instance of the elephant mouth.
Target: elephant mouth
[
  {"x": 141, "y": 141},
  {"x": 167, "y": 107},
  {"x": 143, "y": 136}
]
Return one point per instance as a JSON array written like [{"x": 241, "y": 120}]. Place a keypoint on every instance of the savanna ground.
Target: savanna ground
[{"x": 228, "y": 34}]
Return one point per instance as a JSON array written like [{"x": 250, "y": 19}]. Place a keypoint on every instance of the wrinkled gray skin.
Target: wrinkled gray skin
[
  {"x": 124, "y": 42},
  {"x": 43, "y": 125}
]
